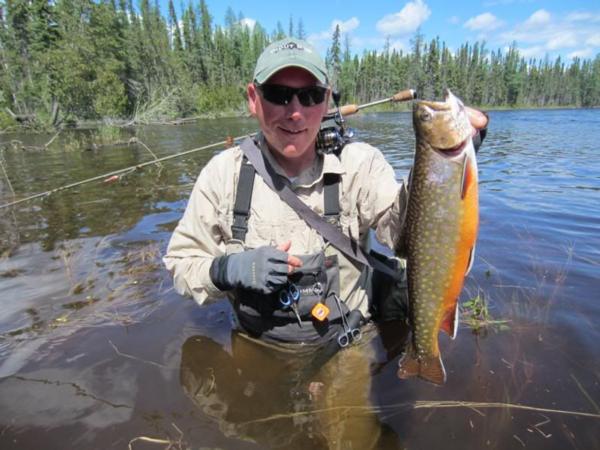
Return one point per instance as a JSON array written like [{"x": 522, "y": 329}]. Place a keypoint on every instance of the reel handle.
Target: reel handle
[{"x": 404, "y": 96}]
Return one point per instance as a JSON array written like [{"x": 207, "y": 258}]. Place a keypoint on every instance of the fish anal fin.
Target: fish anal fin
[
  {"x": 429, "y": 368},
  {"x": 450, "y": 321},
  {"x": 471, "y": 261}
]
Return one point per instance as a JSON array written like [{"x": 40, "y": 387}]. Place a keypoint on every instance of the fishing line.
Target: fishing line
[
  {"x": 119, "y": 172},
  {"x": 402, "y": 96}
]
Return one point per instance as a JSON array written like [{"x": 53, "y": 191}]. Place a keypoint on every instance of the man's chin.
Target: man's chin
[{"x": 295, "y": 150}]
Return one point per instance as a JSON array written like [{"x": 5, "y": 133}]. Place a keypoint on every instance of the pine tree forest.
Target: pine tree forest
[{"x": 70, "y": 60}]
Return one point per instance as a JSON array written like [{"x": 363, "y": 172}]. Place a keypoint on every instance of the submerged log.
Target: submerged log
[{"x": 21, "y": 118}]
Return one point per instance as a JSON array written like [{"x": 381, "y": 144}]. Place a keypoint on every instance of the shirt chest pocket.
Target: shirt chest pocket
[{"x": 288, "y": 228}]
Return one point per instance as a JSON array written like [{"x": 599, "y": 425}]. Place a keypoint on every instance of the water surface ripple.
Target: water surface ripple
[{"x": 97, "y": 350}]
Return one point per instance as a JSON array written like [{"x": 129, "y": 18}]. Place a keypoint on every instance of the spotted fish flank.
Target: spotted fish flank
[{"x": 441, "y": 229}]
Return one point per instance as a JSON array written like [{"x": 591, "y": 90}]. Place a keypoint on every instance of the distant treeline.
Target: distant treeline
[{"x": 90, "y": 59}]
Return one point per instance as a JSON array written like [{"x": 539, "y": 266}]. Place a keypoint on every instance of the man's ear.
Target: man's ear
[{"x": 252, "y": 98}]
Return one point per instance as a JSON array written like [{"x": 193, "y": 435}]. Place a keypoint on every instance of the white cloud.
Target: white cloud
[
  {"x": 583, "y": 53},
  {"x": 247, "y": 22},
  {"x": 454, "y": 20},
  {"x": 545, "y": 33},
  {"x": 483, "y": 22},
  {"x": 562, "y": 40},
  {"x": 540, "y": 17},
  {"x": 345, "y": 27},
  {"x": 322, "y": 39},
  {"x": 406, "y": 21},
  {"x": 583, "y": 16},
  {"x": 593, "y": 40},
  {"x": 532, "y": 52}
]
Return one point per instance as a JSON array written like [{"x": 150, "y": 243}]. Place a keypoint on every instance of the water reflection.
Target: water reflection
[
  {"x": 291, "y": 399},
  {"x": 80, "y": 271}
]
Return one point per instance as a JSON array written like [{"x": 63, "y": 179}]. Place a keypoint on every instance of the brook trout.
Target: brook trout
[{"x": 441, "y": 230}]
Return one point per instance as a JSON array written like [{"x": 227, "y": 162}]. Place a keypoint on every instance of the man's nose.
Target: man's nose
[{"x": 294, "y": 108}]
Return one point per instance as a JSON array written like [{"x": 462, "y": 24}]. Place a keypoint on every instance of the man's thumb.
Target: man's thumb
[{"x": 285, "y": 246}]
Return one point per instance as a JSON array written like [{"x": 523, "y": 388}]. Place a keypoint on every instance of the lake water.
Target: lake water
[{"x": 98, "y": 351}]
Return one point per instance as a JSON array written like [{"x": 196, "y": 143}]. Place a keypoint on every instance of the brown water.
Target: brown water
[{"x": 96, "y": 349}]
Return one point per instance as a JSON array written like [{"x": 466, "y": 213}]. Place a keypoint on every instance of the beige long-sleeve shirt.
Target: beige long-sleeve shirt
[{"x": 370, "y": 197}]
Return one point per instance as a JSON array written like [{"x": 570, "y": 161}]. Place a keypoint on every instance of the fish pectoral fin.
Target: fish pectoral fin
[
  {"x": 469, "y": 176},
  {"x": 428, "y": 368},
  {"x": 450, "y": 321}
]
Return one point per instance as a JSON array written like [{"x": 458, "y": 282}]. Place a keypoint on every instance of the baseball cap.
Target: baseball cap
[{"x": 290, "y": 52}]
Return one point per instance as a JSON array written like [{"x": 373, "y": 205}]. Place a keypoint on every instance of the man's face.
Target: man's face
[{"x": 291, "y": 129}]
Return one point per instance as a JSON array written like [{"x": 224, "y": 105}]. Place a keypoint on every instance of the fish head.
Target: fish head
[{"x": 443, "y": 125}]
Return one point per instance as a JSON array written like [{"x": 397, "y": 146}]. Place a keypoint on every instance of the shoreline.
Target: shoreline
[{"x": 84, "y": 124}]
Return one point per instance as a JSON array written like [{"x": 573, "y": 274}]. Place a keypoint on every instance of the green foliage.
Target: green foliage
[
  {"x": 110, "y": 99},
  {"x": 107, "y": 58},
  {"x": 6, "y": 121},
  {"x": 333, "y": 58},
  {"x": 220, "y": 101},
  {"x": 106, "y": 134}
]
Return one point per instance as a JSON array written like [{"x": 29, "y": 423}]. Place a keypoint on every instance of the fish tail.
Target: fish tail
[{"x": 430, "y": 368}]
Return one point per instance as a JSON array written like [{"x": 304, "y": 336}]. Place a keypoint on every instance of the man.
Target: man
[
  {"x": 238, "y": 238},
  {"x": 289, "y": 97}
]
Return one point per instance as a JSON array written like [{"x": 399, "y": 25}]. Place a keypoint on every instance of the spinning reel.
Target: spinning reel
[{"x": 333, "y": 134}]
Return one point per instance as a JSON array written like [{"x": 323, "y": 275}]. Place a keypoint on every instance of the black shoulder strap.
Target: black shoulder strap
[
  {"x": 331, "y": 195},
  {"x": 329, "y": 231},
  {"x": 243, "y": 199}
]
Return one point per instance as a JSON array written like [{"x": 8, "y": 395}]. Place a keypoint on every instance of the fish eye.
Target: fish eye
[{"x": 425, "y": 116}]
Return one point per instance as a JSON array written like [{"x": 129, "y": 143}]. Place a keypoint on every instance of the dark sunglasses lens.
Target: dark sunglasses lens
[
  {"x": 282, "y": 95},
  {"x": 279, "y": 95},
  {"x": 311, "y": 96}
]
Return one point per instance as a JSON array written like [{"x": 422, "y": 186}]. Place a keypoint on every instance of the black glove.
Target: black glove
[{"x": 263, "y": 269}]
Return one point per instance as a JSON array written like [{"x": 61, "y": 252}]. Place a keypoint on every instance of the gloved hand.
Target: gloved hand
[{"x": 263, "y": 269}]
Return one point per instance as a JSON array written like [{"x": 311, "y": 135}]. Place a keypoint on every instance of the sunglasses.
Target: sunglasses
[{"x": 282, "y": 95}]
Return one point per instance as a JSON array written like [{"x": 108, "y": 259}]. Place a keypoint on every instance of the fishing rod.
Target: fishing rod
[
  {"x": 402, "y": 96},
  {"x": 334, "y": 135},
  {"x": 327, "y": 130}
]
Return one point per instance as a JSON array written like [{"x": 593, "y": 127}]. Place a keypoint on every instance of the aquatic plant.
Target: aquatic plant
[
  {"x": 476, "y": 315},
  {"x": 106, "y": 135}
]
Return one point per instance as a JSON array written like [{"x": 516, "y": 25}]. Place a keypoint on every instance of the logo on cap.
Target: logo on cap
[{"x": 289, "y": 46}]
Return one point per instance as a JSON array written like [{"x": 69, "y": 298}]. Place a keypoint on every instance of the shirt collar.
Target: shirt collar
[{"x": 322, "y": 164}]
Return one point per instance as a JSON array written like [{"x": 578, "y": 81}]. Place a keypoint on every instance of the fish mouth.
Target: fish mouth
[{"x": 452, "y": 151}]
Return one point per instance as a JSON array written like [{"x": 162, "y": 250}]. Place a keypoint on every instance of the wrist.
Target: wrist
[{"x": 218, "y": 273}]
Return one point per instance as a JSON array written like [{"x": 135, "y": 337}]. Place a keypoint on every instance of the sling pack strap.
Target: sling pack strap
[
  {"x": 330, "y": 232},
  {"x": 243, "y": 199},
  {"x": 331, "y": 202}
]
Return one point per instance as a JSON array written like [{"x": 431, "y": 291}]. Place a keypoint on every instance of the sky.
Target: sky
[{"x": 539, "y": 27}]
